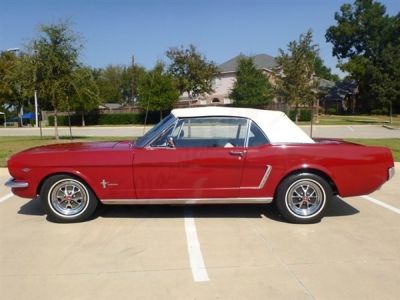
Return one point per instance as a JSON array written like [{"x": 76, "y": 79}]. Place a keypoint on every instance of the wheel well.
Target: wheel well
[
  {"x": 319, "y": 173},
  {"x": 61, "y": 173}
]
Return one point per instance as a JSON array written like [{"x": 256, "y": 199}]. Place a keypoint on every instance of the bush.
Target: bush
[
  {"x": 383, "y": 111},
  {"x": 331, "y": 111},
  {"x": 106, "y": 119},
  {"x": 292, "y": 115},
  {"x": 305, "y": 115}
]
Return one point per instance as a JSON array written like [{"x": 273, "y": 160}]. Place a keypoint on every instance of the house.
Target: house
[
  {"x": 111, "y": 106},
  {"x": 340, "y": 95},
  {"x": 224, "y": 84}
]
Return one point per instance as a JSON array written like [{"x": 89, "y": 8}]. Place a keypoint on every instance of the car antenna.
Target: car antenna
[{"x": 145, "y": 118}]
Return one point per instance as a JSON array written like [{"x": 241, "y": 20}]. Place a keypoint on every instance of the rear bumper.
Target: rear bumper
[
  {"x": 391, "y": 172},
  {"x": 15, "y": 185}
]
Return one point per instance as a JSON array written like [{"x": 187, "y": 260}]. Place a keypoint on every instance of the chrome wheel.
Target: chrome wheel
[
  {"x": 305, "y": 197},
  {"x": 68, "y": 197}
]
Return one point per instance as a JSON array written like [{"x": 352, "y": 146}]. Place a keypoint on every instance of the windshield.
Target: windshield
[{"x": 154, "y": 131}]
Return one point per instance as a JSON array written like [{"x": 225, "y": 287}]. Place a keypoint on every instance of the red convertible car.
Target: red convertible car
[{"x": 202, "y": 156}]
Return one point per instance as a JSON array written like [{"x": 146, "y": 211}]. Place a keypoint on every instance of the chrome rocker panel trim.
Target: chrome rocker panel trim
[{"x": 187, "y": 201}]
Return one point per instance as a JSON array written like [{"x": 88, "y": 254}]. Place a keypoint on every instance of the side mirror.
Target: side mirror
[{"x": 170, "y": 142}]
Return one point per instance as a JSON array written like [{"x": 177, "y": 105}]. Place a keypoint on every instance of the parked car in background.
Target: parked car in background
[{"x": 204, "y": 155}]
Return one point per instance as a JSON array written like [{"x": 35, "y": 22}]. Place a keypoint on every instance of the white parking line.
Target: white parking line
[
  {"x": 350, "y": 128},
  {"x": 6, "y": 197},
  {"x": 199, "y": 270},
  {"x": 394, "y": 209}
]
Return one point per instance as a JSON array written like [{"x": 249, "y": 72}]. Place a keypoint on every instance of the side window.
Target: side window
[
  {"x": 256, "y": 136},
  {"x": 162, "y": 138},
  {"x": 210, "y": 132}
]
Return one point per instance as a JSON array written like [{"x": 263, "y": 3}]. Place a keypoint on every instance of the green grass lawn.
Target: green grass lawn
[
  {"x": 356, "y": 120},
  {"x": 14, "y": 144}
]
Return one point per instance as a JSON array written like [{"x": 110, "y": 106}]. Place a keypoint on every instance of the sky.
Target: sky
[{"x": 115, "y": 31}]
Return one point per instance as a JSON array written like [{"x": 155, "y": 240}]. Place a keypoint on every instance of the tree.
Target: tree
[
  {"x": 192, "y": 72},
  {"x": 322, "y": 71},
  {"x": 15, "y": 85},
  {"x": 84, "y": 94},
  {"x": 295, "y": 80},
  {"x": 9, "y": 95},
  {"x": 57, "y": 54},
  {"x": 384, "y": 79},
  {"x": 111, "y": 84},
  {"x": 252, "y": 87},
  {"x": 366, "y": 39},
  {"x": 156, "y": 90}
]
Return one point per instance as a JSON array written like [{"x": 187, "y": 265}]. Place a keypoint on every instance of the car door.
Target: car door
[
  {"x": 261, "y": 158},
  {"x": 196, "y": 158}
]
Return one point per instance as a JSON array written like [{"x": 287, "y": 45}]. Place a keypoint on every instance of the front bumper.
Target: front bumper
[{"x": 16, "y": 185}]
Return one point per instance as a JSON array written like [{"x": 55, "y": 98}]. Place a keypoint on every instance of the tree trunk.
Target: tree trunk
[{"x": 83, "y": 119}]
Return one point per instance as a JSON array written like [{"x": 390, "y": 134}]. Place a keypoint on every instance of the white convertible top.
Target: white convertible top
[{"x": 275, "y": 124}]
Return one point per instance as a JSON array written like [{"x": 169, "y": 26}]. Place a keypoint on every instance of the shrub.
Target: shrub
[
  {"x": 292, "y": 115},
  {"x": 331, "y": 111},
  {"x": 305, "y": 115},
  {"x": 106, "y": 119}
]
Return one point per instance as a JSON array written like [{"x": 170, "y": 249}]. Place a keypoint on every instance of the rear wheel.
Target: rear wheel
[
  {"x": 67, "y": 199},
  {"x": 303, "y": 198}
]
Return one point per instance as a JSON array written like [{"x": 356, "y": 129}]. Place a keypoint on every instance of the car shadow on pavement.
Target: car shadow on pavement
[
  {"x": 269, "y": 211},
  {"x": 177, "y": 211},
  {"x": 32, "y": 208},
  {"x": 339, "y": 208}
]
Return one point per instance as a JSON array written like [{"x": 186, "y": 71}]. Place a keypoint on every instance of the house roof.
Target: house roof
[
  {"x": 111, "y": 105},
  {"x": 261, "y": 61},
  {"x": 324, "y": 84},
  {"x": 340, "y": 89}
]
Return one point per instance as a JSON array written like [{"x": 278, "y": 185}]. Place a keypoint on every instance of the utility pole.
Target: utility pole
[
  {"x": 133, "y": 80},
  {"x": 35, "y": 80}
]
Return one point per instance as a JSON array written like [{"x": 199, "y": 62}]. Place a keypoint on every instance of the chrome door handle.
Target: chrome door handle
[{"x": 238, "y": 153}]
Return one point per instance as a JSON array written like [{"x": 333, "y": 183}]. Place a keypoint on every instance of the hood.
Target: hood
[{"x": 72, "y": 147}]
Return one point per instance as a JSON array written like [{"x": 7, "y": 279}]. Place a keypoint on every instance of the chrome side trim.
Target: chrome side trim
[
  {"x": 265, "y": 177},
  {"x": 262, "y": 182},
  {"x": 16, "y": 185},
  {"x": 391, "y": 172},
  {"x": 187, "y": 201}
]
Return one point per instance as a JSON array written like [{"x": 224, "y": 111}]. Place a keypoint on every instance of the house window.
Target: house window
[
  {"x": 227, "y": 100},
  {"x": 215, "y": 100},
  {"x": 203, "y": 101},
  {"x": 216, "y": 81}
]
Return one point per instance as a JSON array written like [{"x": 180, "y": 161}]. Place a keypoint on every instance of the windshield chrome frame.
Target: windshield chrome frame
[{"x": 155, "y": 131}]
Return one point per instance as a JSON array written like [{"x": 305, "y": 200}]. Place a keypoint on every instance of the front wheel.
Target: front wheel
[
  {"x": 67, "y": 199},
  {"x": 303, "y": 198}
]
